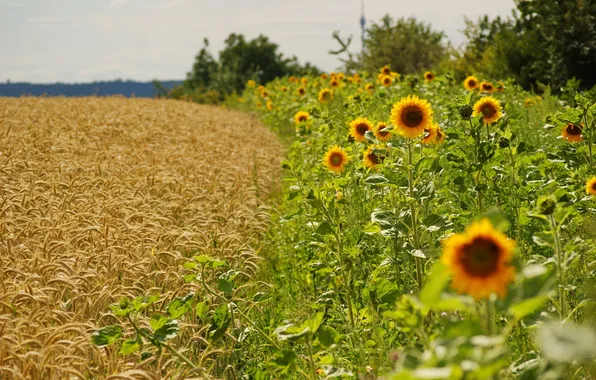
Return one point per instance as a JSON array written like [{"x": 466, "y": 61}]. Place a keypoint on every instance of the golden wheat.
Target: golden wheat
[{"x": 102, "y": 198}]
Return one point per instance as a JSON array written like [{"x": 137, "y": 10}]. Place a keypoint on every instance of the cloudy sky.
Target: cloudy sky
[{"x": 86, "y": 40}]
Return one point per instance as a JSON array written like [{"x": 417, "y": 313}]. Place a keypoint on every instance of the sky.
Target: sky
[{"x": 46, "y": 41}]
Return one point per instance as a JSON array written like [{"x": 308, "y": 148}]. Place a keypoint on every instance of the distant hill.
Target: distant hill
[{"x": 116, "y": 87}]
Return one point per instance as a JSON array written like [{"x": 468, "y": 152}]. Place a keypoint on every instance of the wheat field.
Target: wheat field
[{"x": 102, "y": 198}]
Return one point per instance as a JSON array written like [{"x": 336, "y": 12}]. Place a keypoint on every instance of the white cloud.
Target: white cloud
[{"x": 115, "y": 4}]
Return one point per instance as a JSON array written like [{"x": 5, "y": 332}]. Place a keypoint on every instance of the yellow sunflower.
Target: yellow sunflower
[
  {"x": 369, "y": 87},
  {"x": 591, "y": 186},
  {"x": 341, "y": 76},
  {"x": 359, "y": 127},
  {"x": 440, "y": 137},
  {"x": 500, "y": 86},
  {"x": 471, "y": 83},
  {"x": 325, "y": 95},
  {"x": 251, "y": 83},
  {"x": 261, "y": 88},
  {"x": 293, "y": 79},
  {"x": 371, "y": 157},
  {"x": 385, "y": 70},
  {"x": 380, "y": 133},
  {"x": 479, "y": 260},
  {"x": 334, "y": 82},
  {"x": 304, "y": 80},
  {"x": 284, "y": 89},
  {"x": 301, "y": 91},
  {"x": 486, "y": 87},
  {"x": 335, "y": 159},
  {"x": 429, "y": 76},
  {"x": 489, "y": 108},
  {"x": 430, "y": 134},
  {"x": 324, "y": 76},
  {"x": 411, "y": 116},
  {"x": 301, "y": 117},
  {"x": 572, "y": 132},
  {"x": 269, "y": 105},
  {"x": 395, "y": 75},
  {"x": 386, "y": 80}
]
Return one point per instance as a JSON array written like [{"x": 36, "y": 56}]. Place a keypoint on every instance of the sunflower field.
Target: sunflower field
[{"x": 430, "y": 229}]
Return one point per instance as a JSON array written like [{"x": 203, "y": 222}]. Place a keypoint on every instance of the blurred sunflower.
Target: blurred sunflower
[
  {"x": 429, "y": 76},
  {"x": 430, "y": 134},
  {"x": 334, "y": 82},
  {"x": 359, "y": 127},
  {"x": 486, "y": 87},
  {"x": 440, "y": 137},
  {"x": 385, "y": 70},
  {"x": 335, "y": 159},
  {"x": 301, "y": 117},
  {"x": 591, "y": 186},
  {"x": 284, "y": 89},
  {"x": 370, "y": 87},
  {"x": 395, "y": 75},
  {"x": 372, "y": 159},
  {"x": 489, "y": 108},
  {"x": 411, "y": 116},
  {"x": 304, "y": 80},
  {"x": 301, "y": 91},
  {"x": 324, "y": 76},
  {"x": 293, "y": 79},
  {"x": 325, "y": 95},
  {"x": 341, "y": 76},
  {"x": 479, "y": 260},
  {"x": 269, "y": 105},
  {"x": 572, "y": 132},
  {"x": 386, "y": 80},
  {"x": 261, "y": 88},
  {"x": 500, "y": 86},
  {"x": 251, "y": 83},
  {"x": 471, "y": 83},
  {"x": 380, "y": 133},
  {"x": 259, "y": 105}
]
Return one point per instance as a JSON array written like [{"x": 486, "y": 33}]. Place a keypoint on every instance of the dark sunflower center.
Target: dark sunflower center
[
  {"x": 574, "y": 130},
  {"x": 325, "y": 95},
  {"x": 594, "y": 186},
  {"x": 426, "y": 133},
  {"x": 387, "y": 80},
  {"x": 361, "y": 129},
  {"x": 336, "y": 159},
  {"x": 487, "y": 87},
  {"x": 301, "y": 118},
  {"x": 480, "y": 258},
  {"x": 488, "y": 111},
  {"x": 301, "y": 91},
  {"x": 429, "y": 76},
  {"x": 375, "y": 159},
  {"x": 472, "y": 83},
  {"x": 412, "y": 117},
  {"x": 386, "y": 71}
]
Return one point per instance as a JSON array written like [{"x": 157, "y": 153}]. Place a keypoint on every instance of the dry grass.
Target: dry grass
[{"x": 102, "y": 198}]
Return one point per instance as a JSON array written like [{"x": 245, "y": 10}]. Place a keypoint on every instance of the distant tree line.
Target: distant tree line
[{"x": 212, "y": 78}]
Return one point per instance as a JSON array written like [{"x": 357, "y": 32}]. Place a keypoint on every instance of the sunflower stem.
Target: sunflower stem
[
  {"x": 413, "y": 214},
  {"x": 560, "y": 267},
  {"x": 489, "y": 317}
]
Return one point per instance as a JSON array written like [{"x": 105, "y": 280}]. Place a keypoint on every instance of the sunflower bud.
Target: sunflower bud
[
  {"x": 503, "y": 142},
  {"x": 547, "y": 205},
  {"x": 465, "y": 111}
]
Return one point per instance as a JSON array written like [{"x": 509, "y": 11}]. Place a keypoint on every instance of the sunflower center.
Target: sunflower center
[
  {"x": 383, "y": 132},
  {"x": 387, "y": 80},
  {"x": 361, "y": 129},
  {"x": 336, "y": 159},
  {"x": 301, "y": 118},
  {"x": 488, "y": 111},
  {"x": 375, "y": 159},
  {"x": 472, "y": 83},
  {"x": 386, "y": 71},
  {"x": 480, "y": 257},
  {"x": 487, "y": 87},
  {"x": 594, "y": 186},
  {"x": 412, "y": 117},
  {"x": 574, "y": 130}
]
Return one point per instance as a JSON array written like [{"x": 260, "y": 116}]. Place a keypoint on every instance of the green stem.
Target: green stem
[
  {"x": 415, "y": 242},
  {"x": 313, "y": 369},
  {"x": 560, "y": 267},
  {"x": 489, "y": 317}
]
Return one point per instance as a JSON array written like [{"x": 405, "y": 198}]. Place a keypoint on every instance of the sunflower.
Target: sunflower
[
  {"x": 325, "y": 95},
  {"x": 269, "y": 105},
  {"x": 284, "y": 89},
  {"x": 385, "y": 70},
  {"x": 429, "y": 76},
  {"x": 430, "y": 134},
  {"x": 529, "y": 102},
  {"x": 371, "y": 157},
  {"x": 293, "y": 79},
  {"x": 380, "y": 133},
  {"x": 304, "y": 80},
  {"x": 500, "y": 86},
  {"x": 301, "y": 91},
  {"x": 489, "y": 108},
  {"x": 259, "y": 105},
  {"x": 386, "y": 80},
  {"x": 335, "y": 159},
  {"x": 359, "y": 127},
  {"x": 572, "y": 132},
  {"x": 341, "y": 76},
  {"x": 301, "y": 117},
  {"x": 591, "y": 186},
  {"x": 369, "y": 87},
  {"x": 251, "y": 83},
  {"x": 471, "y": 83},
  {"x": 486, "y": 87},
  {"x": 334, "y": 82},
  {"x": 478, "y": 260},
  {"x": 395, "y": 75},
  {"x": 324, "y": 76},
  {"x": 440, "y": 137},
  {"x": 261, "y": 88},
  {"x": 411, "y": 116}
]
